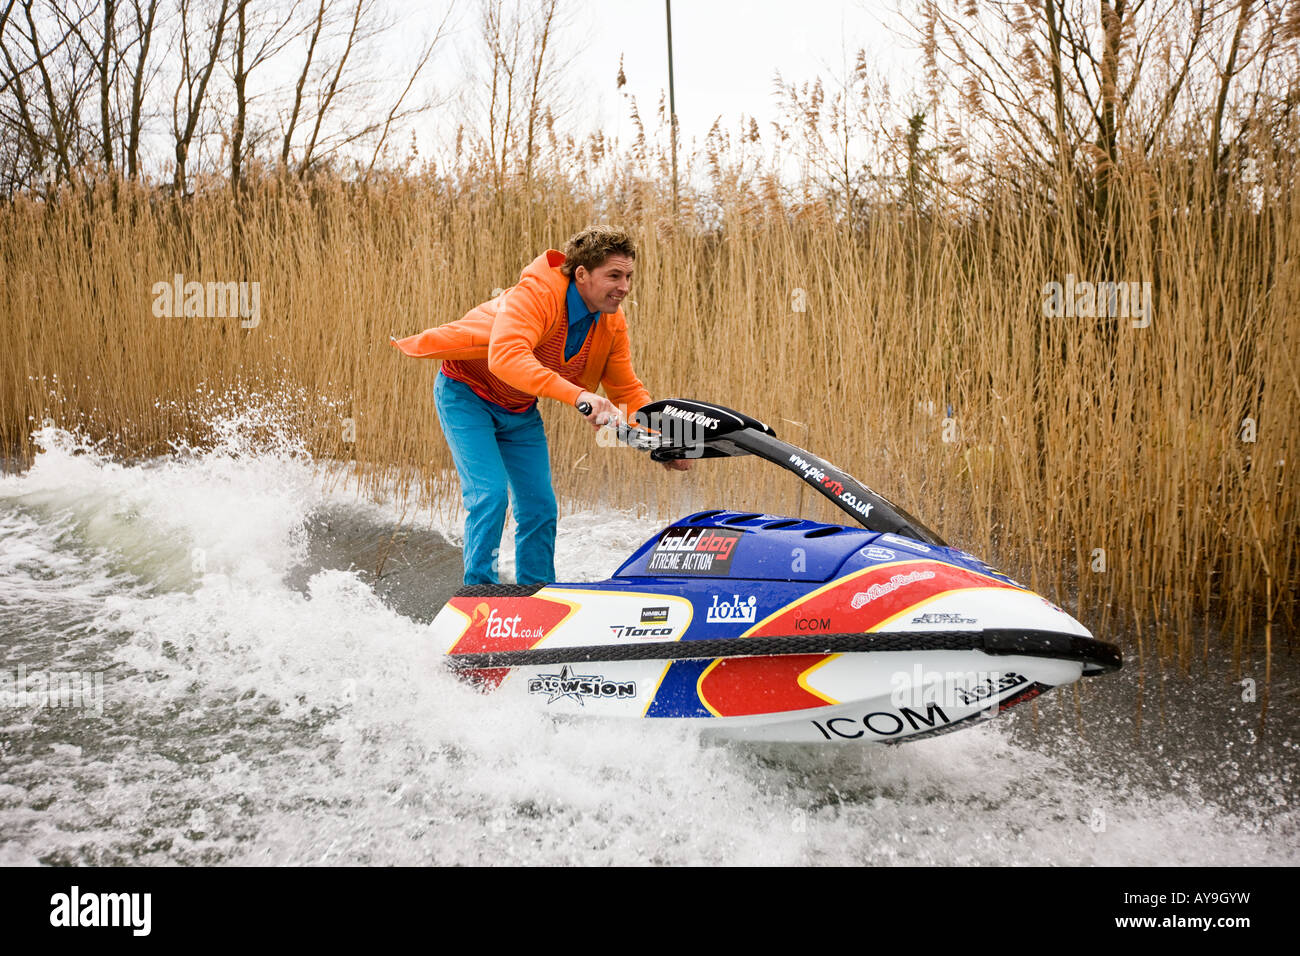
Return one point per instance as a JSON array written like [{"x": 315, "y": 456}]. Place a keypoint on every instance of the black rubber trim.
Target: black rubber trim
[
  {"x": 1104, "y": 657},
  {"x": 499, "y": 590},
  {"x": 1098, "y": 657}
]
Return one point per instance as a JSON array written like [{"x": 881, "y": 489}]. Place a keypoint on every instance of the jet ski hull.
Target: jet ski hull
[{"x": 778, "y": 629}]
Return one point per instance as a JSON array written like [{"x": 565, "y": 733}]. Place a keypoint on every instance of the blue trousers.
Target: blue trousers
[{"x": 496, "y": 452}]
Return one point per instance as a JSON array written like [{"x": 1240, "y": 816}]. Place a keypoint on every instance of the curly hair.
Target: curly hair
[{"x": 594, "y": 245}]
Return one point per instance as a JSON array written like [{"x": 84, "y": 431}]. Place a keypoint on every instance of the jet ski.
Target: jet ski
[{"x": 769, "y": 627}]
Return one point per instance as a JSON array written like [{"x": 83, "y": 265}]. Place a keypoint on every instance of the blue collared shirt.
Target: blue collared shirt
[{"x": 580, "y": 321}]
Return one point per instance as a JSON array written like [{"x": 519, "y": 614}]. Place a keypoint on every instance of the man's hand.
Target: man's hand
[
  {"x": 676, "y": 464},
  {"x": 603, "y": 411}
]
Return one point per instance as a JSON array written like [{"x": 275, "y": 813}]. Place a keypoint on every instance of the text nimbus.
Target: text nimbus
[
  {"x": 74, "y": 908},
  {"x": 1101, "y": 300},
  {"x": 951, "y": 688},
  {"x": 73, "y": 690},
  {"x": 211, "y": 300}
]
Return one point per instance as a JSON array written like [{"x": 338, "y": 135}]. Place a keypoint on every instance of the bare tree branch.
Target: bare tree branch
[{"x": 194, "y": 83}]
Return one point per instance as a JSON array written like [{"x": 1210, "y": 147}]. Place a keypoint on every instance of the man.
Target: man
[{"x": 558, "y": 333}]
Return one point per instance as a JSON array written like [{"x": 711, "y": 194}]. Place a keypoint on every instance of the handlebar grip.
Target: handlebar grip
[{"x": 584, "y": 408}]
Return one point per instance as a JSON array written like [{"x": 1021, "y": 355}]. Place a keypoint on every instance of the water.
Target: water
[{"x": 268, "y": 696}]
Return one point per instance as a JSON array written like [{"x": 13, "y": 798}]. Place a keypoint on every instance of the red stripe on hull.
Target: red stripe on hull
[
  {"x": 506, "y": 623},
  {"x": 863, "y": 602},
  {"x": 739, "y": 686}
]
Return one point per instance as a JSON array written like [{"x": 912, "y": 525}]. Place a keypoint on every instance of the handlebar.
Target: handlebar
[{"x": 633, "y": 435}]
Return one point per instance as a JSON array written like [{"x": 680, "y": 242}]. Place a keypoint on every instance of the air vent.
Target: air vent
[
  {"x": 823, "y": 532},
  {"x": 786, "y": 523},
  {"x": 741, "y": 519},
  {"x": 706, "y": 515}
]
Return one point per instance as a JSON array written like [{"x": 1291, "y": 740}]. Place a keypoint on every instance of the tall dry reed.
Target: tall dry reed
[{"x": 1146, "y": 474}]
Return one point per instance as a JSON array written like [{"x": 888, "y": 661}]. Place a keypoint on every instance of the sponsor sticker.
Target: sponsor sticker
[
  {"x": 990, "y": 686},
  {"x": 951, "y": 688},
  {"x": 694, "y": 551},
  {"x": 695, "y": 418},
  {"x": 818, "y": 477},
  {"x": 654, "y": 615},
  {"x": 879, "y": 554},
  {"x": 632, "y": 630},
  {"x": 812, "y": 623},
  {"x": 883, "y": 723},
  {"x": 733, "y": 611},
  {"x": 1000, "y": 575},
  {"x": 503, "y": 627},
  {"x": 506, "y": 623},
  {"x": 881, "y": 588},
  {"x": 580, "y": 686},
  {"x": 942, "y": 619},
  {"x": 905, "y": 542}
]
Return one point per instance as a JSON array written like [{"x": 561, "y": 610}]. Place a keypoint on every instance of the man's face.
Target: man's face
[{"x": 604, "y": 287}]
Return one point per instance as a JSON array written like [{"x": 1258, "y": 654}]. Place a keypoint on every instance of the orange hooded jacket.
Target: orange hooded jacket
[{"x": 507, "y": 329}]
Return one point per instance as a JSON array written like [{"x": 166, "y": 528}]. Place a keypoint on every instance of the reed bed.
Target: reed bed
[{"x": 1145, "y": 475}]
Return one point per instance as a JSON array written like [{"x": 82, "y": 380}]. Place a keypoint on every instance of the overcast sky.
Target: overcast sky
[{"x": 725, "y": 54}]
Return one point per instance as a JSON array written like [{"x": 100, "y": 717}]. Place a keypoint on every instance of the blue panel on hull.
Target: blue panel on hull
[
  {"x": 677, "y": 695},
  {"x": 892, "y": 547}
]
